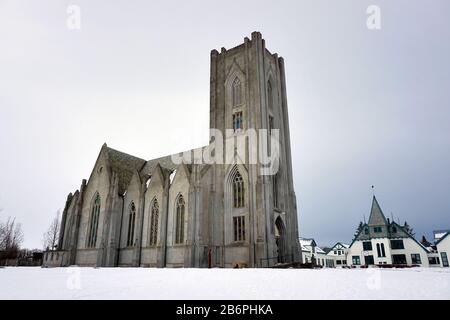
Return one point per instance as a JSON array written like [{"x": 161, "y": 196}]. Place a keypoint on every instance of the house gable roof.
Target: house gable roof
[{"x": 443, "y": 237}]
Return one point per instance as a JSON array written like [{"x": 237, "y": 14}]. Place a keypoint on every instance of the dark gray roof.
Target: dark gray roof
[
  {"x": 377, "y": 217},
  {"x": 124, "y": 165}
]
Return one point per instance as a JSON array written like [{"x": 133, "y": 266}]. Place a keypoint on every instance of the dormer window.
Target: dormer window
[{"x": 378, "y": 230}]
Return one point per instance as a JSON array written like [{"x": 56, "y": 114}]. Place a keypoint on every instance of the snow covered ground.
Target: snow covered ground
[{"x": 184, "y": 284}]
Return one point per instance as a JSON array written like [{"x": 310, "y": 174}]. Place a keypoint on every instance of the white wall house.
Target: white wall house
[
  {"x": 381, "y": 242},
  {"x": 443, "y": 248},
  {"x": 339, "y": 253},
  {"x": 311, "y": 253}
]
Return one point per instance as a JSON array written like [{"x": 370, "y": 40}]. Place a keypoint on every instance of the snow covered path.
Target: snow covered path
[{"x": 254, "y": 284}]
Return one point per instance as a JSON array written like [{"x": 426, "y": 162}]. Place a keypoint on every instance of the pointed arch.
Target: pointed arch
[
  {"x": 280, "y": 239},
  {"x": 270, "y": 95},
  {"x": 238, "y": 191},
  {"x": 236, "y": 92},
  {"x": 235, "y": 85},
  {"x": 131, "y": 224},
  {"x": 154, "y": 218},
  {"x": 236, "y": 204},
  {"x": 180, "y": 208},
  {"x": 93, "y": 221}
]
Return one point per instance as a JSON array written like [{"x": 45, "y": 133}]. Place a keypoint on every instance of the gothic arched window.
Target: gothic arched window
[
  {"x": 270, "y": 95},
  {"x": 93, "y": 223},
  {"x": 131, "y": 224},
  {"x": 238, "y": 191},
  {"x": 275, "y": 190},
  {"x": 179, "y": 232},
  {"x": 237, "y": 92},
  {"x": 154, "y": 223}
]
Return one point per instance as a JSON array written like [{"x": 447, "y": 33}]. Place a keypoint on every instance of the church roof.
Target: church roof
[
  {"x": 376, "y": 214},
  {"x": 124, "y": 165}
]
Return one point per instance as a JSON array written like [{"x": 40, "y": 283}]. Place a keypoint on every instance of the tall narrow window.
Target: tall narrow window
[
  {"x": 237, "y": 121},
  {"x": 275, "y": 190},
  {"x": 383, "y": 253},
  {"x": 378, "y": 250},
  {"x": 179, "y": 233},
  {"x": 237, "y": 92},
  {"x": 239, "y": 228},
  {"x": 238, "y": 191},
  {"x": 131, "y": 224},
  {"x": 154, "y": 223},
  {"x": 93, "y": 223},
  {"x": 269, "y": 95}
]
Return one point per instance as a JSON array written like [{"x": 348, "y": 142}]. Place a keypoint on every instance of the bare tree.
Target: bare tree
[
  {"x": 51, "y": 237},
  {"x": 11, "y": 237}
]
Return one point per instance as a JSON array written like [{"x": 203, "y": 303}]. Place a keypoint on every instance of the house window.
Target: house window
[
  {"x": 335, "y": 252},
  {"x": 237, "y": 92},
  {"x": 344, "y": 262},
  {"x": 377, "y": 229},
  {"x": 239, "y": 228},
  {"x": 238, "y": 191},
  {"x": 369, "y": 260},
  {"x": 398, "y": 259},
  {"x": 433, "y": 260},
  {"x": 444, "y": 259},
  {"x": 154, "y": 223},
  {"x": 93, "y": 223},
  {"x": 397, "y": 244},
  {"x": 367, "y": 246},
  {"x": 415, "y": 258},
  {"x": 380, "y": 250},
  {"x": 338, "y": 262},
  {"x": 131, "y": 224},
  {"x": 237, "y": 121},
  {"x": 356, "y": 260},
  {"x": 179, "y": 233},
  {"x": 394, "y": 229},
  {"x": 366, "y": 230}
]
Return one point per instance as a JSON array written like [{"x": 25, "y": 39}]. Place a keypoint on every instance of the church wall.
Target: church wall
[
  {"x": 176, "y": 253},
  {"x": 149, "y": 257},
  {"x": 87, "y": 257},
  {"x": 155, "y": 191},
  {"x": 98, "y": 182},
  {"x": 70, "y": 223},
  {"x": 126, "y": 257}
]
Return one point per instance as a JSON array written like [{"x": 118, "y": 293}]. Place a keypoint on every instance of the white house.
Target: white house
[
  {"x": 443, "y": 247},
  {"x": 311, "y": 253},
  {"x": 382, "y": 242},
  {"x": 339, "y": 253}
]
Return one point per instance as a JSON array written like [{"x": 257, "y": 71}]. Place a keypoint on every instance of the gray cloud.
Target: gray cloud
[{"x": 366, "y": 107}]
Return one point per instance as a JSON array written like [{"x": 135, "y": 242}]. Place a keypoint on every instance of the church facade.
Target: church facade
[{"x": 163, "y": 213}]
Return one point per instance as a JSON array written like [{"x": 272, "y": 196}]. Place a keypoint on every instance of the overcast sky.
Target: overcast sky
[{"x": 367, "y": 107}]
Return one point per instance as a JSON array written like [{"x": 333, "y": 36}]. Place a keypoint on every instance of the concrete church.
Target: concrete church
[{"x": 158, "y": 213}]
